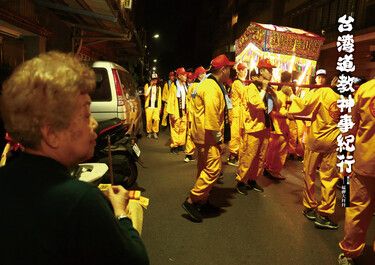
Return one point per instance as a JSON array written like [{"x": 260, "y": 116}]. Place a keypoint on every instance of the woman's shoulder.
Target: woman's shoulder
[
  {"x": 74, "y": 187},
  {"x": 77, "y": 194}
]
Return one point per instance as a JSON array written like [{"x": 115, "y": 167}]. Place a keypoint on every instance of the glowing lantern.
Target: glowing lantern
[{"x": 290, "y": 49}]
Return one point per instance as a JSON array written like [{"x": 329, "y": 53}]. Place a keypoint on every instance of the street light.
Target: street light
[
  {"x": 154, "y": 68},
  {"x": 156, "y": 36},
  {"x": 155, "y": 60}
]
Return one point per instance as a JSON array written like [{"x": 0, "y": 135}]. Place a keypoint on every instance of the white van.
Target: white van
[{"x": 115, "y": 96}]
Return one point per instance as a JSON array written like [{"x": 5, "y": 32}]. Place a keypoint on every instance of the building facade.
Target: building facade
[{"x": 91, "y": 29}]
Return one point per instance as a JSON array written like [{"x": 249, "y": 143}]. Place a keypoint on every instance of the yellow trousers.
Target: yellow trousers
[
  {"x": 294, "y": 142},
  {"x": 165, "y": 115},
  {"x": 190, "y": 146},
  {"x": 209, "y": 167},
  {"x": 358, "y": 216},
  {"x": 234, "y": 143},
  {"x": 152, "y": 120},
  {"x": 328, "y": 178},
  {"x": 277, "y": 152},
  {"x": 301, "y": 131},
  {"x": 252, "y": 154},
  {"x": 178, "y": 131}
]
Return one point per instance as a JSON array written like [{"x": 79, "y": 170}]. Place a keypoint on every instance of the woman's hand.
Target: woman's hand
[{"x": 119, "y": 198}]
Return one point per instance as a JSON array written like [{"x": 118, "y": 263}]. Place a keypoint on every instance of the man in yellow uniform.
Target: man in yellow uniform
[
  {"x": 295, "y": 148},
  {"x": 362, "y": 181},
  {"x": 303, "y": 127},
  {"x": 211, "y": 104},
  {"x": 176, "y": 109},
  {"x": 255, "y": 124},
  {"x": 152, "y": 94},
  {"x": 198, "y": 75},
  {"x": 277, "y": 150},
  {"x": 236, "y": 94},
  {"x": 164, "y": 98},
  {"x": 320, "y": 151}
]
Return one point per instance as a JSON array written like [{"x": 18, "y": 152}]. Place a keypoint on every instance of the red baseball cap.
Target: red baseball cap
[
  {"x": 181, "y": 71},
  {"x": 191, "y": 76},
  {"x": 229, "y": 82},
  {"x": 200, "y": 70},
  {"x": 241, "y": 66},
  {"x": 265, "y": 63},
  {"x": 221, "y": 61}
]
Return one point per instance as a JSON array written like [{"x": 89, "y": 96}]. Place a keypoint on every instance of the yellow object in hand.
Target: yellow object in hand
[{"x": 132, "y": 195}]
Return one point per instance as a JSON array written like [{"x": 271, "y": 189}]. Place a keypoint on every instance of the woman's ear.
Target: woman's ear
[{"x": 50, "y": 137}]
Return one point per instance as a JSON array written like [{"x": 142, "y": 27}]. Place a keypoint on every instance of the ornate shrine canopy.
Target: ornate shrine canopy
[
  {"x": 283, "y": 40},
  {"x": 290, "y": 49}
]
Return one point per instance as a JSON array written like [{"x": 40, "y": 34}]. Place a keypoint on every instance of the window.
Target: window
[
  {"x": 102, "y": 90},
  {"x": 127, "y": 83}
]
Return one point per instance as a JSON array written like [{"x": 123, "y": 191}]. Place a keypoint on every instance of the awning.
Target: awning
[
  {"x": 20, "y": 26},
  {"x": 96, "y": 22}
]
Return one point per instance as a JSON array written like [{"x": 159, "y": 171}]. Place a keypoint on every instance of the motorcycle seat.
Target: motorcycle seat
[{"x": 105, "y": 125}]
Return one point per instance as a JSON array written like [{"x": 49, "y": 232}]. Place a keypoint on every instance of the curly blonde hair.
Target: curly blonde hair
[{"x": 43, "y": 91}]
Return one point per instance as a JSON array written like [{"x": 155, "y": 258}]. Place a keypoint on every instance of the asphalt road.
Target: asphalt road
[{"x": 261, "y": 228}]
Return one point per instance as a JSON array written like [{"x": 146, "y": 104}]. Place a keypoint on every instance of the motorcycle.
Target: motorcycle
[{"x": 115, "y": 149}]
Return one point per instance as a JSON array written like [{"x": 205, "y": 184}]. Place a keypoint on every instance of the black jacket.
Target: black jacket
[{"x": 48, "y": 218}]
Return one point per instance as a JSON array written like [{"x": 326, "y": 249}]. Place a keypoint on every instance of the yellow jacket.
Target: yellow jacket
[
  {"x": 208, "y": 113},
  {"x": 252, "y": 117},
  {"x": 165, "y": 92},
  {"x": 148, "y": 97},
  {"x": 301, "y": 93},
  {"x": 364, "y": 118},
  {"x": 189, "y": 100},
  {"x": 172, "y": 106},
  {"x": 322, "y": 105},
  {"x": 236, "y": 95},
  {"x": 278, "y": 116}
]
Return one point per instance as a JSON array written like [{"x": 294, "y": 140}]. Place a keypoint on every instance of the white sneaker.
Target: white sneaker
[
  {"x": 344, "y": 260},
  {"x": 156, "y": 136},
  {"x": 149, "y": 136},
  {"x": 188, "y": 158}
]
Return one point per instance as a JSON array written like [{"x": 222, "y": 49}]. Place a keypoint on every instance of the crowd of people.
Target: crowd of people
[
  {"x": 261, "y": 125},
  {"x": 50, "y": 218}
]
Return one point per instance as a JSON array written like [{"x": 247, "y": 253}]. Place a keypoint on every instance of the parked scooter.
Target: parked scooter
[{"x": 124, "y": 153}]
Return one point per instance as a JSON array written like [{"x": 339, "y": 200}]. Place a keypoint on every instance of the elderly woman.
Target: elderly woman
[{"x": 46, "y": 217}]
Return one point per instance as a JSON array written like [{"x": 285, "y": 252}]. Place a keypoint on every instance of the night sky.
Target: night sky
[{"x": 175, "y": 22}]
